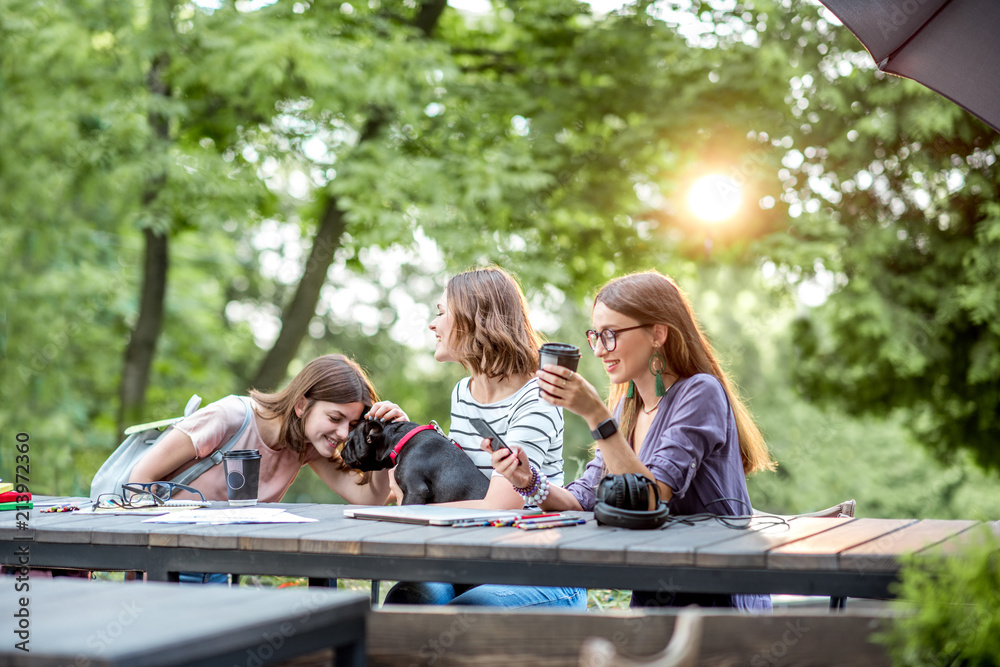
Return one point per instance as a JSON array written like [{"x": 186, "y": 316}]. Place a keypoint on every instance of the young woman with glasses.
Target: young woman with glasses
[
  {"x": 672, "y": 415},
  {"x": 303, "y": 424},
  {"x": 482, "y": 323}
]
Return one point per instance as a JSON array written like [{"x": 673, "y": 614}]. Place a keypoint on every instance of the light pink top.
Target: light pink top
[{"x": 212, "y": 426}]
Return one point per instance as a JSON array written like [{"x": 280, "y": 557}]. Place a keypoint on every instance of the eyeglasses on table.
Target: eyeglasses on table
[{"x": 136, "y": 495}]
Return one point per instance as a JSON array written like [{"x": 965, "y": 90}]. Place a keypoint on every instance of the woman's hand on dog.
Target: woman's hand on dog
[
  {"x": 505, "y": 462},
  {"x": 387, "y": 411}
]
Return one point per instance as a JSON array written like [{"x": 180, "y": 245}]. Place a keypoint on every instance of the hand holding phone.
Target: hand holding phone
[{"x": 485, "y": 430}]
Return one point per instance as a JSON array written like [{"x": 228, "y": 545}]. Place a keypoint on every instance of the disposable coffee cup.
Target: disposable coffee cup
[
  {"x": 560, "y": 354},
  {"x": 242, "y": 469}
]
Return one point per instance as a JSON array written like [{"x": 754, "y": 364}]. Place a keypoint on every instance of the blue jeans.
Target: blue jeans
[
  {"x": 204, "y": 577},
  {"x": 490, "y": 595}
]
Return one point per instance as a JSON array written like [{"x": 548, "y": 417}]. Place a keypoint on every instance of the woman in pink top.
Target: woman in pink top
[{"x": 303, "y": 424}]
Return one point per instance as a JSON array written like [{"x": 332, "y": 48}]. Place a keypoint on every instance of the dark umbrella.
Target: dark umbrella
[{"x": 950, "y": 46}]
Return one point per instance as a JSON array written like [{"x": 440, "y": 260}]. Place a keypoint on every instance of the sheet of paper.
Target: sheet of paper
[{"x": 231, "y": 515}]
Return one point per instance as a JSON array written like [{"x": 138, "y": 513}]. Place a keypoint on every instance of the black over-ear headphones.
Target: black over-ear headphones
[{"x": 630, "y": 501}]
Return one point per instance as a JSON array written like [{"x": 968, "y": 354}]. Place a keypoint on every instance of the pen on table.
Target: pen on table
[
  {"x": 62, "y": 508},
  {"x": 547, "y": 519},
  {"x": 475, "y": 523},
  {"x": 551, "y": 524},
  {"x": 472, "y": 523}
]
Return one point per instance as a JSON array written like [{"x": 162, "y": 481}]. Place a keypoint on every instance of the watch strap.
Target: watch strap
[{"x": 604, "y": 430}]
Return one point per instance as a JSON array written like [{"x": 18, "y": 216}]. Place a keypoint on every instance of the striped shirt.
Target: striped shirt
[{"x": 521, "y": 419}]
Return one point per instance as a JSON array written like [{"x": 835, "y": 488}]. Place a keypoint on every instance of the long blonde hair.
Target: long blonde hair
[{"x": 653, "y": 298}]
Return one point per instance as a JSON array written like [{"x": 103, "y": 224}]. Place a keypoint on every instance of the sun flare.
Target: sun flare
[{"x": 714, "y": 198}]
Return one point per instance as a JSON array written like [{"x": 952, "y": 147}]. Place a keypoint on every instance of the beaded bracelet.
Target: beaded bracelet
[
  {"x": 541, "y": 494},
  {"x": 532, "y": 485},
  {"x": 537, "y": 491}
]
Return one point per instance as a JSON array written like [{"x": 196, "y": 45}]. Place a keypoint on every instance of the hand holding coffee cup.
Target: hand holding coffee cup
[
  {"x": 242, "y": 468},
  {"x": 559, "y": 354}
]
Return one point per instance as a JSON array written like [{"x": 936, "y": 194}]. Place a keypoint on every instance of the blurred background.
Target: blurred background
[{"x": 199, "y": 197}]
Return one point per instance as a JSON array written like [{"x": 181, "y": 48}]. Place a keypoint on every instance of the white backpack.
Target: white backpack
[{"x": 140, "y": 438}]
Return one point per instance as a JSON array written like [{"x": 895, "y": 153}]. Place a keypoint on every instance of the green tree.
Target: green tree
[
  {"x": 519, "y": 137},
  {"x": 148, "y": 145},
  {"x": 894, "y": 198},
  {"x": 540, "y": 136}
]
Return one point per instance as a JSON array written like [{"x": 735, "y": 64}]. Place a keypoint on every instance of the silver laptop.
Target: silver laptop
[{"x": 428, "y": 515}]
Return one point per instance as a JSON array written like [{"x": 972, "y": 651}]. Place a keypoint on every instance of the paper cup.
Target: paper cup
[
  {"x": 242, "y": 469},
  {"x": 561, "y": 354}
]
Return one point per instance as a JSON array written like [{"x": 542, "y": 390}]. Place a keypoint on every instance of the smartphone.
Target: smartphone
[{"x": 485, "y": 430}]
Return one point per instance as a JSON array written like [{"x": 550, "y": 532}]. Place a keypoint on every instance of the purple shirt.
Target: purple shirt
[{"x": 692, "y": 446}]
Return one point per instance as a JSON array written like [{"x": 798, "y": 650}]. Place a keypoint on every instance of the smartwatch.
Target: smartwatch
[{"x": 604, "y": 430}]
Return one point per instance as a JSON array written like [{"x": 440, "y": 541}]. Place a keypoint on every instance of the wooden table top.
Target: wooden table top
[
  {"x": 72, "y": 621},
  {"x": 850, "y": 556}
]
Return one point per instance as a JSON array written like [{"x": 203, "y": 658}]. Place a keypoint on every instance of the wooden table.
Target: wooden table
[
  {"x": 807, "y": 556},
  {"x": 78, "y": 622}
]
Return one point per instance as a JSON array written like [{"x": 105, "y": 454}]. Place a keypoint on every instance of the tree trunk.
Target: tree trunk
[
  {"x": 142, "y": 344},
  {"x": 297, "y": 315},
  {"x": 429, "y": 15}
]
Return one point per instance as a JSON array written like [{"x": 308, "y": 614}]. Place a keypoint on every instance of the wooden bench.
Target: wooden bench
[
  {"x": 442, "y": 636},
  {"x": 74, "y": 622}
]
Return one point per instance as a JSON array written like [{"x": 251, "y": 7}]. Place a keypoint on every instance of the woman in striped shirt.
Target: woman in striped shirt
[{"x": 482, "y": 323}]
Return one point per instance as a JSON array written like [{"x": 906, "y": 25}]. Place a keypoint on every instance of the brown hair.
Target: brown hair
[
  {"x": 653, "y": 298},
  {"x": 491, "y": 333},
  {"x": 332, "y": 378}
]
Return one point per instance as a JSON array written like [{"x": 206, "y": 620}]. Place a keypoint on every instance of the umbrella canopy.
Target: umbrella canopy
[{"x": 950, "y": 46}]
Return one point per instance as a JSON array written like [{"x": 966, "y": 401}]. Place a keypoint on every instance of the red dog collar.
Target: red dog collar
[{"x": 406, "y": 438}]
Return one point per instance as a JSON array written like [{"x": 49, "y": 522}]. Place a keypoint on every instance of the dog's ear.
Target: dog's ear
[
  {"x": 357, "y": 451},
  {"x": 373, "y": 430}
]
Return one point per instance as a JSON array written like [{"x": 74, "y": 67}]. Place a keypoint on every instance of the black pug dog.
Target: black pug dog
[{"x": 429, "y": 469}]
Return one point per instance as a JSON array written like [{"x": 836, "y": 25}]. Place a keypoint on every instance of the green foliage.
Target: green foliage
[
  {"x": 540, "y": 136},
  {"x": 824, "y": 456},
  {"x": 950, "y": 608},
  {"x": 892, "y": 193}
]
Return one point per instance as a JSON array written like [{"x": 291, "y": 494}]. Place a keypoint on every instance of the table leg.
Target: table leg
[
  {"x": 351, "y": 655},
  {"x": 375, "y": 592},
  {"x": 838, "y": 604},
  {"x": 322, "y": 583},
  {"x": 156, "y": 574}
]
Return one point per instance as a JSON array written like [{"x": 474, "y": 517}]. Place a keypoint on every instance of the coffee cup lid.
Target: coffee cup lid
[
  {"x": 559, "y": 348},
  {"x": 242, "y": 454}
]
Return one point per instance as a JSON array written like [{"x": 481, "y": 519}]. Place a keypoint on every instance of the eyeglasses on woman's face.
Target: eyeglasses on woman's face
[{"x": 608, "y": 336}]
